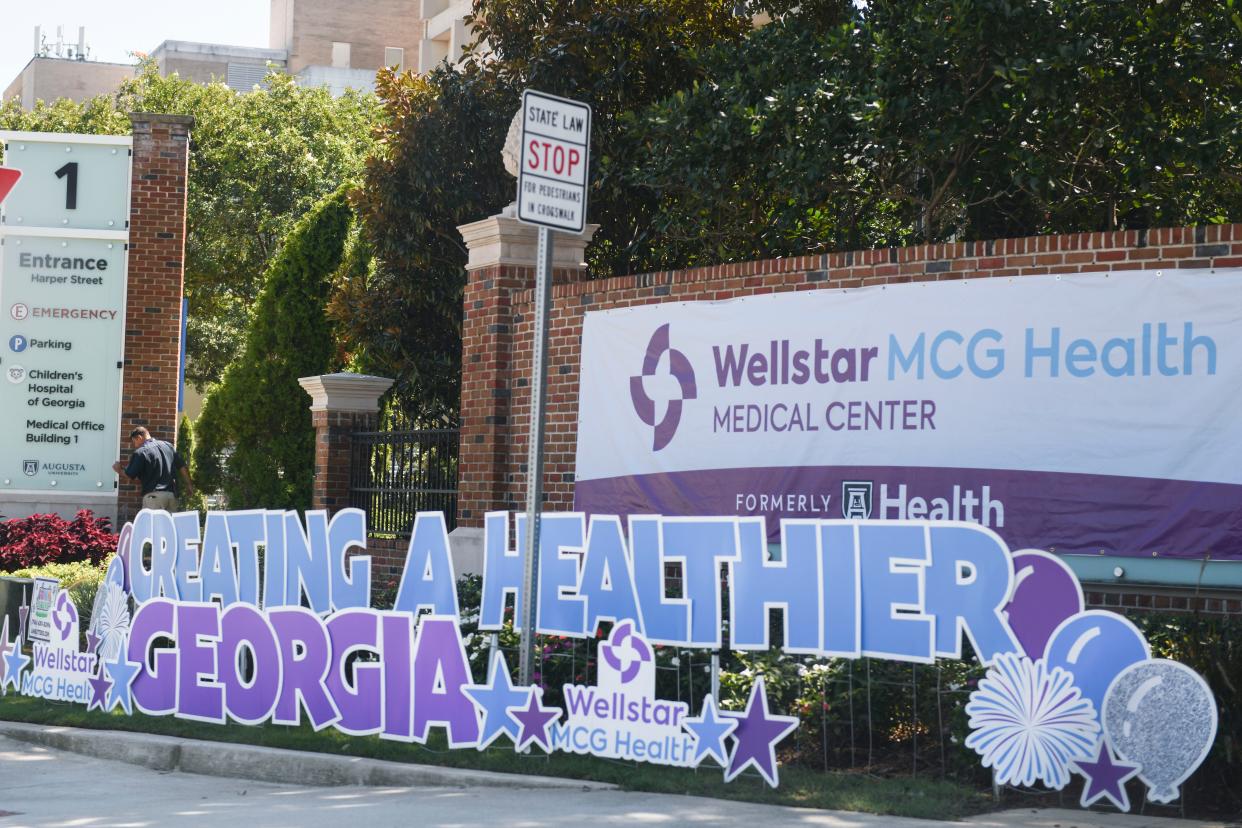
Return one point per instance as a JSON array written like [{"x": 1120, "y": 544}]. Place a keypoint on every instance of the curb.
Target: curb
[{"x": 264, "y": 764}]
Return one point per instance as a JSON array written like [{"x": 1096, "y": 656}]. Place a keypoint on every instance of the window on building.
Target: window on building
[
  {"x": 394, "y": 56},
  {"x": 340, "y": 55}
]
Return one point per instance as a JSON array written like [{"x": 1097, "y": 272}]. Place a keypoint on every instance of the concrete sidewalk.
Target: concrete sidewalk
[
  {"x": 262, "y": 764},
  {"x": 43, "y": 787}
]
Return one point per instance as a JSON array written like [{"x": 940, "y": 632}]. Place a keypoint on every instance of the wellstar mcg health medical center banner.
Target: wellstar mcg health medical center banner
[{"x": 1087, "y": 414}]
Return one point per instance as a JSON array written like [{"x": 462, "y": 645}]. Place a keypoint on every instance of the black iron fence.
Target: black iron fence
[{"x": 396, "y": 474}]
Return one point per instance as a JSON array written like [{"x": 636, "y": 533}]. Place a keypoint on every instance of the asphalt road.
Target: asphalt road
[{"x": 46, "y": 788}]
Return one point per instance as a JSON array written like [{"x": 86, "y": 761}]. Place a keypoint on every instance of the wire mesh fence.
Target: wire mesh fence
[{"x": 856, "y": 714}]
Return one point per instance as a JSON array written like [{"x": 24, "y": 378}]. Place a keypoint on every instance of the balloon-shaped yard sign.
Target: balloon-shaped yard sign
[
  {"x": 1161, "y": 716},
  {"x": 1094, "y": 646},
  {"x": 1045, "y": 593}
]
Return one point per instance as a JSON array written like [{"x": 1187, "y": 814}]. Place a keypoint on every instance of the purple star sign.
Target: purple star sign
[
  {"x": 1105, "y": 778},
  {"x": 680, "y": 370},
  {"x": 99, "y": 691},
  {"x": 534, "y": 719},
  {"x": 757, "y": 733},
  {"x": 1045, "y": 592},
  {"x": 92, "y": 642}
]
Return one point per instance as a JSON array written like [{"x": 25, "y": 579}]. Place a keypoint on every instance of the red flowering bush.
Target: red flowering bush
[{"x": 44, "y": 539}]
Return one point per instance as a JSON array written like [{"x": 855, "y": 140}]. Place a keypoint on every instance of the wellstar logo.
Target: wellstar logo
[{"x": 673, "y": 387}]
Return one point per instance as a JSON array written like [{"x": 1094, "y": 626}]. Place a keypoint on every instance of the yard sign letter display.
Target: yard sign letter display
[{"x": 1068, "y": 692}]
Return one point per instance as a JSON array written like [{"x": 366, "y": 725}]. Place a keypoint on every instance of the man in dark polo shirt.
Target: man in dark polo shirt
[{"x": 156, "y": 465}]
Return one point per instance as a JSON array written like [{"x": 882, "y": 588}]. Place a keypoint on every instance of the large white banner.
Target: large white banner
[{"x": 1092, "y": 413}]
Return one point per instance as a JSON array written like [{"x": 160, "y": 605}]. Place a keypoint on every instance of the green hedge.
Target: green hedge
[{"x": 256, "y": 443}]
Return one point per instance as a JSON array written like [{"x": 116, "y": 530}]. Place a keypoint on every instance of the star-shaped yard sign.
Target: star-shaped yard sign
[
  {"x": 493, "y": 702},
  {"x": 99, "y": 691},
  {"x": 1105, "y": 777},
  {"x": 15, "y": 662},
  {"x": 122, "y": 672},
  {"x": 535, "y": 719},
  {"x": 92, "y": 642},
  {"x": 757, "y": 733},
  {"x": 5, "y": 646},
  {"x": 709, "y": 733}
]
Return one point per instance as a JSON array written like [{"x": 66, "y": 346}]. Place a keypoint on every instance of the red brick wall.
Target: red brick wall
[
  {"x": 496, "y": 349},
  {"x": 387, "y": 561},
  {"x": 1135, "y": 600},
  {"x": 156, "y": 276}
]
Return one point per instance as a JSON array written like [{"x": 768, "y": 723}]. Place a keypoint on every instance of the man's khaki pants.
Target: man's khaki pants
[{"x": 160, "y": 500}]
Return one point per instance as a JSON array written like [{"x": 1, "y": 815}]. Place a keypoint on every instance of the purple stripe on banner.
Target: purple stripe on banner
[{"x": 1076, "y": 514}]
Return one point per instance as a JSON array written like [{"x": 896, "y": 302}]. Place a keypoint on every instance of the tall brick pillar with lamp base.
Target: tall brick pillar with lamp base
[{"x": 151, "y": 379}]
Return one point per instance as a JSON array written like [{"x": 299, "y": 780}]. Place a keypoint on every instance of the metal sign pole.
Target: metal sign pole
[{"x": 534, "y": 457}]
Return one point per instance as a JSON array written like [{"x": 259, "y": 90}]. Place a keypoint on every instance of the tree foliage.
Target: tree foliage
[
  {"x": 950, "y": 119},
  {"x": 438, "y": 164},
  {"x": 835, "y": 126},
  {"x": 258, "y": 162},
  {"x": 255, "y": 438},
  {"x": 185, "y": 448}
]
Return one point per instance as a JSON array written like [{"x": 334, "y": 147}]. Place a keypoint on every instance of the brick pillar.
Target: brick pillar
[
  {"x": 340, "y": 405},
  {"x": 151, "y": 379},
  {"x": 501, "y": 263}
]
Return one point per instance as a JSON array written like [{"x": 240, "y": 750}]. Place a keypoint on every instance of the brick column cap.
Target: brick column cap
[
  {"x": 503, "y": 240},
  {"x": 161, "y": 118},
  {"x": 354, "y": 393}
]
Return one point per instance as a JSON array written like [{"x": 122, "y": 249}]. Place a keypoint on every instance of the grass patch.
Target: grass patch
[{"x": 899, "y": 796}]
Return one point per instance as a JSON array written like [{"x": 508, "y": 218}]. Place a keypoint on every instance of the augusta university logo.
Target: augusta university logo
[
  {"x": 672, "y": 386},
  {"x": 30, "y": 467},
  {"x": 856, "y": 499}
]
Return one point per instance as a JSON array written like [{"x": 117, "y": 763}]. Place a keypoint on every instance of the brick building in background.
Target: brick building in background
[{"x": 338, "y": 44}]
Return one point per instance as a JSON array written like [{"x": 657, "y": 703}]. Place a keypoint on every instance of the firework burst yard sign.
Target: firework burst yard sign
[{"x": 266, "y": 611}]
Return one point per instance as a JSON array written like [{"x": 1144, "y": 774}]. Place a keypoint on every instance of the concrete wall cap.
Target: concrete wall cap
[
  {"x": 160, "y": 118},
  {"x": 502, "y": 239},
  {"x": 358, "y": 393}
]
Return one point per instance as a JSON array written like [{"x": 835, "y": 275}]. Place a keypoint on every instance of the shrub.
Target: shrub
[
  {"x": 45, "y": 539},
  {"x": 185, "y": 447},
  {"x": 81, "y": 578},
  {"x": 255, "y": 441}
]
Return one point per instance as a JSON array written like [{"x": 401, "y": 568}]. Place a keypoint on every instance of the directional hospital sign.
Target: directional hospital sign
[
  {"x": 556, "y": 155},
  {"x": 63, "y": 279}
]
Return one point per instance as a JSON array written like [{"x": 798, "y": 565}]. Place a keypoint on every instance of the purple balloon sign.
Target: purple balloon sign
[{"x": 1045, "y": 593}]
